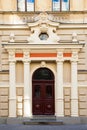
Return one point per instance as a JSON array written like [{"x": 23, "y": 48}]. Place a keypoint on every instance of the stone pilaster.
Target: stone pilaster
[
  {"x": 12, "y": 86},
  {"x": 59, "y": 87},
  {"x": 74, "y": 85},
  {"x": 27, "y": 86}
]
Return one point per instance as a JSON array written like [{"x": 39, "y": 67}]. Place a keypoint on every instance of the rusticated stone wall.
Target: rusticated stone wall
[
  {"x": 19, "y": 94},
  {"x": 67, "y": 101},
  {"x": 4, "y": 102},
  {"x": 82, "y": 101}
]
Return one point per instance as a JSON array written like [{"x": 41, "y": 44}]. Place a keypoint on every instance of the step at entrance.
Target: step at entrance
[{"x": 43, "y": 120}]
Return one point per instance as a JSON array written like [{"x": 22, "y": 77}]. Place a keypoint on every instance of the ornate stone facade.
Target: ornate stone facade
[{"x": 52, "y": 40}]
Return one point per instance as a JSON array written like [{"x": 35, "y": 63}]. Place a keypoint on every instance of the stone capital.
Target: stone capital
[
  {"x": 26, "y": 54},
  {"x": 26, "y": 61},
  {"x": 26, "y": 51},
  {"x": 12, "y": 61},
  {"x": 74, "y": 56},
  {"x": 11, "y": 54},
  {"x": 60, "y": 56},
  {"x": 59, "y": 61},
  {"x": 11, "y": 51},
  {"x": 73, "y": 61}
]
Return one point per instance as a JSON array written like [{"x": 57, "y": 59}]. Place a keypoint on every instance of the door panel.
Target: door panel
[
  {"x": 37, "y": 107},
  {"x": 43, "y": 97},
  {"x": 48, "y": 92},
  {"x": 37, "y": 91},
  {"x": 48, "y": 108}
]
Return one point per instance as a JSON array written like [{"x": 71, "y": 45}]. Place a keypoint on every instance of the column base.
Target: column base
[
  {"x": 27, "y": 108},
  {"x": 12, "y": 108},
  {"x": 59, "y": 107}
]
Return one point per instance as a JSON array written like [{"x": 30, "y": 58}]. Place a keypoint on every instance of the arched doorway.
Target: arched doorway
[{"x": 43, "y": 92}]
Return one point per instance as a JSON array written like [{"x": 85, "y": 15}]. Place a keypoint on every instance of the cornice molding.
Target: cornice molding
[
  {"x": 48, "y": 12},
  {"x": 57, "y": 25},
  {"x": 37, "y": 46}
]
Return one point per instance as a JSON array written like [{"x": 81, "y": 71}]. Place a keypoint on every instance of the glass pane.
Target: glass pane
[
  {"x": 30, "y": 5},
  {"x": 65, "y": 5},
  {"x": 43, "y": 36},
  {"x": 43, "y": 74},
  {"x": 37, "y": 91},
  {"x": 48, "y": 91},
  {"x": 56, "y": 5},
  {"x": 21, "y": 5}
]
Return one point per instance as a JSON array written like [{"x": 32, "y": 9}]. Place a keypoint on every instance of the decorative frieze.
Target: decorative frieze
[
  {"x": 18, "y": 55},
  {"x": 67, "y": 54},
  {"x": 43, "y": 55},
  {"x": 21, "y": 55},
  {"x": 59, "y": 18}
]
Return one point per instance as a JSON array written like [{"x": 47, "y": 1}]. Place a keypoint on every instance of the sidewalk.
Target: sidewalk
[{"x": 42, "y": 127}]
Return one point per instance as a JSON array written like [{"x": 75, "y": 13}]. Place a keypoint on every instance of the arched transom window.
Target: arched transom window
[{"x": 29, "y": 5}]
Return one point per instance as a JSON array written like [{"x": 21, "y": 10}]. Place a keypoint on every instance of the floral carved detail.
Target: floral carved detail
[
  {"x": 26, "y": 55},
  {"x": 11, "y": 55},
  {"x": 75, "y": 56}
]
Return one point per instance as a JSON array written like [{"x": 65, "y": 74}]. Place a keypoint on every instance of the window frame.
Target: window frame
[
  {"x": 61, "y": 7},
  {"x": 25, "y": 7}
]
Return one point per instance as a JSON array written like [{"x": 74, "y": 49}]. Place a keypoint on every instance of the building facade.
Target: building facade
[{"x": 43, "y": 58}]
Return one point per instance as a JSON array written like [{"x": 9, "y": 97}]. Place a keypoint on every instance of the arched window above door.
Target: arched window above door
[{"x": 43, "y": 74}]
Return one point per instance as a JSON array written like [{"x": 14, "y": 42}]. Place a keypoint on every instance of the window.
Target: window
[
  {"x": 30, "y": 5},
  {"x": 61, "y": 5},
  {"x": 25, "y": 5},
  {"x": 43, "y": 36},
  {"x": 43, "y": 74},
  {"x": 21, "y": 5},
  {"x": 57, "y": 5}
]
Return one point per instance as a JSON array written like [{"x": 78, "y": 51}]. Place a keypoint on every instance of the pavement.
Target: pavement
[{"x": 42, "y": 127}]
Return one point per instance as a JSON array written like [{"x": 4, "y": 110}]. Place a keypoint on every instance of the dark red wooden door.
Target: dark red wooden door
[
  {"x": 43, "y": 97},
  {"x": 43, "y": 92}
]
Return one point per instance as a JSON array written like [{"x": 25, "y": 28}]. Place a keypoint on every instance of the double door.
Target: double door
[{"x": 43, "y": 97}]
